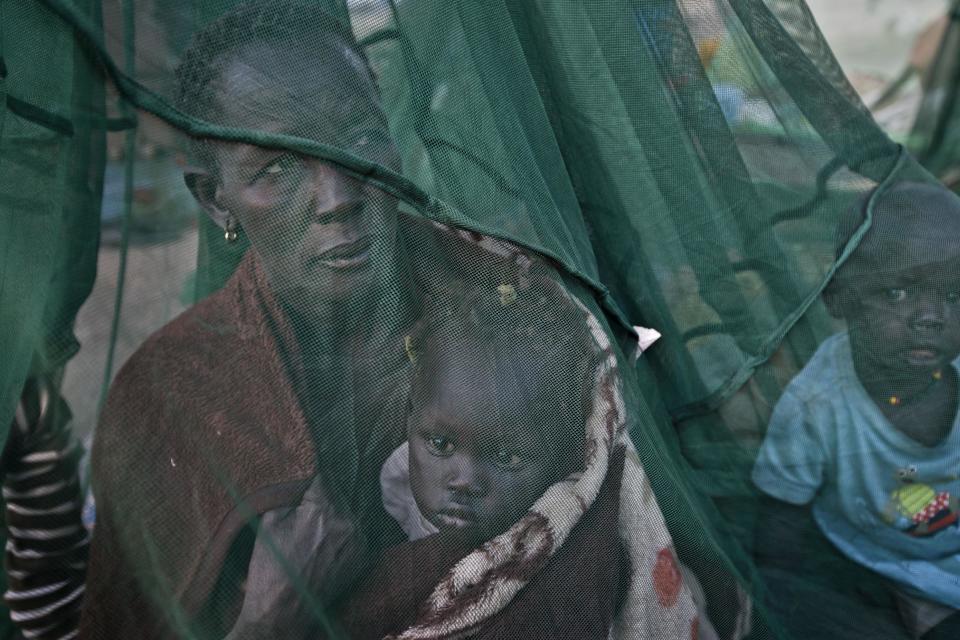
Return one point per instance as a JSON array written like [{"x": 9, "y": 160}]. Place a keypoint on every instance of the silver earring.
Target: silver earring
[{"x": 230, "y": 230}]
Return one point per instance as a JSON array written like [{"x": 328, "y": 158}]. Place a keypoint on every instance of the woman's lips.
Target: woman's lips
[{"x": 344, "y": 255}]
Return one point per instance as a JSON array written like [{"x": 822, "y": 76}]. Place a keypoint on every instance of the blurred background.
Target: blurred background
[{"x": 881, "y": 42}]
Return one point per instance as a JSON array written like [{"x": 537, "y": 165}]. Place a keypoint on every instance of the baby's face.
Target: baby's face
[
  {"x": 478, "y": 459},
  {"x": 903, "y": 303}
]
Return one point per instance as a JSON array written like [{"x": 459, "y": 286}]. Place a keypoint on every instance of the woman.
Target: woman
[
  {"x": 290, "y": 373},
  {"x": 236, "y": 468}
]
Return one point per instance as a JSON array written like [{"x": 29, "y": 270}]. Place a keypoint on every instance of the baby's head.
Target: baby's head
[
  {"x": 499, "y": 401},
  {"x": 900, "y": 290}
]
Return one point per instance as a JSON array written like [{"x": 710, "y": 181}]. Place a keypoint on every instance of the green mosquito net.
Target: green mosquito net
[{"x": 446, "y": 319}]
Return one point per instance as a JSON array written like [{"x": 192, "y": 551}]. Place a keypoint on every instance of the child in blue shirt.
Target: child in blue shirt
[{"x": 866, "y": 434}]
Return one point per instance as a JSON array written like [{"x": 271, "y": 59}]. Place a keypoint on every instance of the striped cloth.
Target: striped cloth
[{"x": 46, "y": 548}]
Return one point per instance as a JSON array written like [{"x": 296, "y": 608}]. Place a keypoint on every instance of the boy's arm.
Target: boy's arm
[
  {"x": 789, "y": 471},
  {"x": 781, "y": 531}
]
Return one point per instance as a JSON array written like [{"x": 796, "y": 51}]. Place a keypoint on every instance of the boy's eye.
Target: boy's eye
[
  {"x": 895, "y": 294},
  {"x": 509, "y": 459},
  {"x": 440, "y": 445}
]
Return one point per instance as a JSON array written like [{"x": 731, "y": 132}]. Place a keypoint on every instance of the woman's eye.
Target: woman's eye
[
  {"x": 895, "y": 294},
  {"x": 440, "y": 445},
  {"x": 509, "y": 459},
  {"x": 278, "y": 168}
]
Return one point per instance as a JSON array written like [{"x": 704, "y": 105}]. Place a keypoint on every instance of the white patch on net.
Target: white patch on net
[{"x": 645, "y": 338}]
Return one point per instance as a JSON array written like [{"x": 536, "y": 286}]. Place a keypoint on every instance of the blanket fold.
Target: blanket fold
[{"x": 573, "y": 597}]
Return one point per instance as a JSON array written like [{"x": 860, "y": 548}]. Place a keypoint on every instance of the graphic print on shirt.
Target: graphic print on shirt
[{"x": 919, "y": 509}]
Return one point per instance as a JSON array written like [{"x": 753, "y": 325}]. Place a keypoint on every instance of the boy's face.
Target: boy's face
[
  {"x": 901, "y": 300},
  {"x": 319, "y": 232},
  {"x": 480, "y": 452}
]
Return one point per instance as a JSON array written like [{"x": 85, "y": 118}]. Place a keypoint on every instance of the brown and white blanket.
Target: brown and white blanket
[{"x": 592, "y": 558}]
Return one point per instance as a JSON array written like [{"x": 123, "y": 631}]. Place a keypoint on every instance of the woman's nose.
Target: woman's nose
[{"x": 334, "y": 192}]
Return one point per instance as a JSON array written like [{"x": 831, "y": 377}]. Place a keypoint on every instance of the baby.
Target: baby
[
  {"x": 867, "y": 432},
  {"x": 499, "y": 400},
  {"x": 501, "y": 390},
  {"x": 505, "y": 390}
]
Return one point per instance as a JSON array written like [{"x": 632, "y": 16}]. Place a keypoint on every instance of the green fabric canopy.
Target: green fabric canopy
[{"x": 682, "y": 165}]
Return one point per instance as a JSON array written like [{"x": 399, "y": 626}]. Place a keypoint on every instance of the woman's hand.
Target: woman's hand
[{"x": 304, "y": 557}]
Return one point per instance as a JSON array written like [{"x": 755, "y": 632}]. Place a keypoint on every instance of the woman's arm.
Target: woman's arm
[{"x": 303, "y": 558}]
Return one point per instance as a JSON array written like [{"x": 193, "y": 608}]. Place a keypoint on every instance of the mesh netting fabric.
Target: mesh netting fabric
[{"x": 351, "y": 298}]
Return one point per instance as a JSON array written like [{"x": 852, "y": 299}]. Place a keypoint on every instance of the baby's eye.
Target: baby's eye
[
  {"x": 440, "y": 445},
  {"x": 895, "y": 294},
  {"x": 509, "y": 459}
]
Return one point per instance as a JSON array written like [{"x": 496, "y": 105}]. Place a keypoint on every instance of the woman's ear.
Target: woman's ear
[{"x": 203, "y": 185}]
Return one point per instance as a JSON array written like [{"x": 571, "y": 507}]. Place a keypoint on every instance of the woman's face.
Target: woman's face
[{"x": 325, "y": 238}]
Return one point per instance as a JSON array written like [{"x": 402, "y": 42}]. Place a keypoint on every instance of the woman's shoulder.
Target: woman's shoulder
[
  {"x": 211, "y": 381},
  {"x": 166, "y": 380},
  {"x": 188, "y": 349}
]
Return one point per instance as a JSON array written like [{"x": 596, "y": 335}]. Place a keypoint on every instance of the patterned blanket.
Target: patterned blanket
[{"x": 598, "y": 536}]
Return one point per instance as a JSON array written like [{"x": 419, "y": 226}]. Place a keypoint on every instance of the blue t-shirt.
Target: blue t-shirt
[{"x": 885, "y": 500}]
